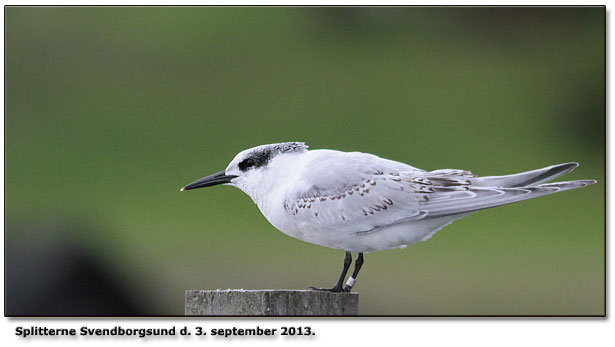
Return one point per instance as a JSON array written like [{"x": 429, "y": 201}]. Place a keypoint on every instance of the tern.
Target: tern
[{"x": 359, "y": 202}]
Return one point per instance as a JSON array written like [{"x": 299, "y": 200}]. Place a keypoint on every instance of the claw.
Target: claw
[{"x": 332, "y": 290}]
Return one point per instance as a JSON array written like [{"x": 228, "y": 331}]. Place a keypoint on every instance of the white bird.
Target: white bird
[{"x": 358, "y": 202}]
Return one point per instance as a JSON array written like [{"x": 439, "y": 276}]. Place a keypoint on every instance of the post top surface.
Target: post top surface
[{"x": 302, "y": 291}]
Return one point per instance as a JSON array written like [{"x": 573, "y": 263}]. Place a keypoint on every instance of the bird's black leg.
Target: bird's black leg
[
  {"x": 338, "y": 285},
  {"x": 357, "y": 266}
]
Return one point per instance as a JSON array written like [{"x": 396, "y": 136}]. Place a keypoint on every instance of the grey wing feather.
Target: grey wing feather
[
  {"x": 526, "y": 179},
  {"x": 490, "y": 191},
  {"x": 478, "y": 198}
]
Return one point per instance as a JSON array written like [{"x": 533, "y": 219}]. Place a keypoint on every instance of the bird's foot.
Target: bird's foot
[{"x": 335, "y": 289}]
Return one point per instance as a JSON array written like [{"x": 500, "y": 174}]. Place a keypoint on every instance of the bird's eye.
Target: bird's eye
[{"x": 246, "y": 164}]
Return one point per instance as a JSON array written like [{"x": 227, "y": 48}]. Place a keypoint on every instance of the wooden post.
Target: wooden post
[{"x": 270, "y": 302}]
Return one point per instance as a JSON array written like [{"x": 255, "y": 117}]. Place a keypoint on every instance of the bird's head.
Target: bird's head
[{"x": 248, "y": 169}]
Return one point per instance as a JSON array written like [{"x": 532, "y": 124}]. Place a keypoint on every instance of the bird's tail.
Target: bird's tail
[{"x": 526, "y": 179}]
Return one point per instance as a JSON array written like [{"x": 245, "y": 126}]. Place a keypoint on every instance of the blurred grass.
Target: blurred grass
[{"x": 109, "y": 111}]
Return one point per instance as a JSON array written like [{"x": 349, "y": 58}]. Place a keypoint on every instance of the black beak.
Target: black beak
[{"x": 209, "y": 181}]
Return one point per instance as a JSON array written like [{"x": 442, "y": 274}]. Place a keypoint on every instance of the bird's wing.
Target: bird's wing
[
  {"x": 370, "y": 195},
  {"x": 356, "y": 192}
]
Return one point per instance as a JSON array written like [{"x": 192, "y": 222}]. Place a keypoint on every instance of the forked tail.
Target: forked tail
[{"x": 526, "y": 179}]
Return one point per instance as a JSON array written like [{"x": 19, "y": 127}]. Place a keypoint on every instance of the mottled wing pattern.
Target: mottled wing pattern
[{"x": 378, "y": 199}]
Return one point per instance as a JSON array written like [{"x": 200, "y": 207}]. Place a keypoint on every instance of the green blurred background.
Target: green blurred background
[{"x": 109, "y": 111}]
